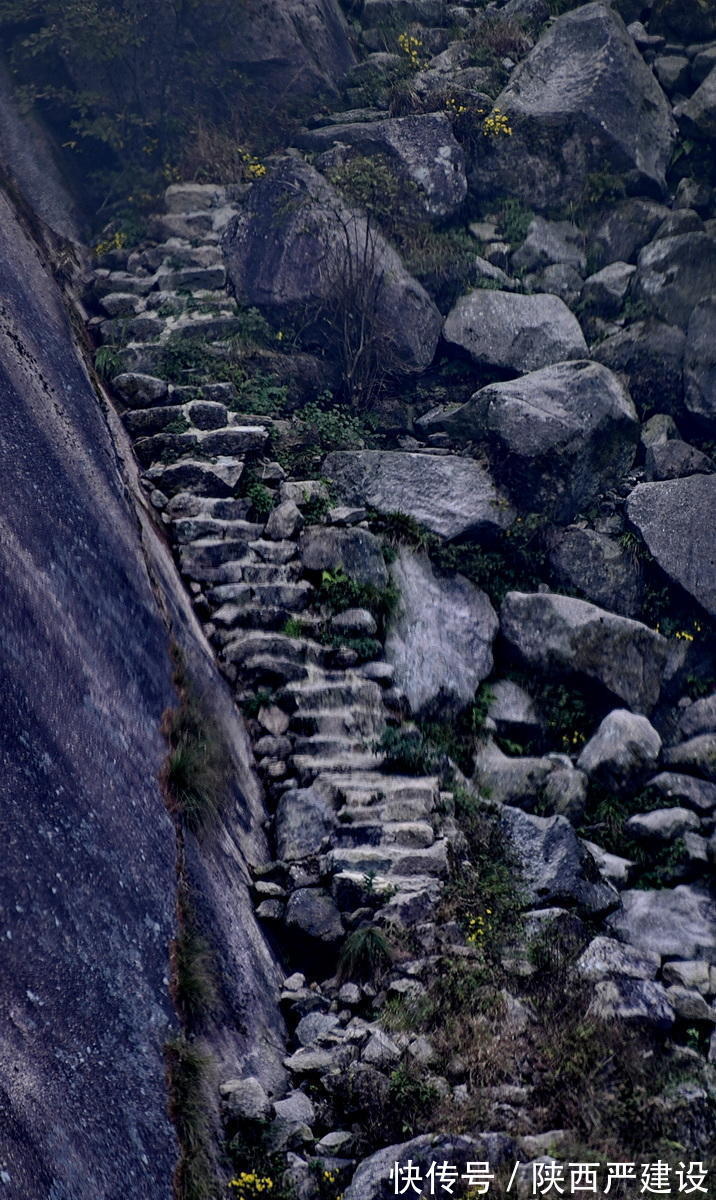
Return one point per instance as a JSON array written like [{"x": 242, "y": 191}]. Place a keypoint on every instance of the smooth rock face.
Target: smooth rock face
[
  {"x": 422, "y": 150},
  {"x": 557, "y": 436},
  {"x": 582, "y": 101},
  {"x": 675, "y": 274},
  {"x": 598, "y": 567},
  {"x": 700, "y": 362},
  {"x": 684, "y": 790},
  {"x": 676, "y": 922},
  {"x": 514, "y": 332},
  {"x": 88, "y": 882},
  {"x": 451, "y": 496},
  {"x": 294, "y": 247},
  {"x": 440, "y": 638},
  {"x": 624, "y": 746},
  {"x": 675, "y": 518},
  {"x": 557, "y": 868},
  {"x": 558, "y": 633}
]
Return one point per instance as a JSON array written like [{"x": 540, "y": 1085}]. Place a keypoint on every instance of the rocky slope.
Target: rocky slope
[{"x": 424, "y": 408}]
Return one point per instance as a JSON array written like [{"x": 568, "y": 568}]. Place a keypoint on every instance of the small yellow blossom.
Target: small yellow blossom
[
  {"x": 411, "y": 46},
  {"x": 497, "y": 124},
  {"x": 249, "y": 1186}
]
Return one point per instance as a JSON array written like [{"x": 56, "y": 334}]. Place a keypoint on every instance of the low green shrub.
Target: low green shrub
[
  {"x": 197, "y": 767},
  {"x": 365, "y": 955},
  {"x": 407, "y": 752}
]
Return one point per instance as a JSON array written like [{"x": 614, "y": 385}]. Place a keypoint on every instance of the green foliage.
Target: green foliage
[
  {"x": 180, "y": 425},
  {"x": 371, "y": 184},
  {"x": 399, "y": 529},
  {"x": 261, "y": 498},
  {"x": 194, "y": 980},
  {"x": 365, "y": 955},
  {"x": 484, "y": 891},
  {"x": 293, "y": 628},
  {"x": 407, "y": 752},
  {"x": 411, "y": 1100},
  {"x": 568, "y": 713},
  {"x": 602, "y": 187},
  {"x": 108, "y": 362},
  {"x": 252, "y": 705},
  {"x": 197, "y": 769},
  {"x": 516, "y": 564},
  {"x": 337, "y": 591},
  {"x": 513, "y": 220},
  {"x": 443, "y": 260},
  {"x": 333, "y": 426},
  {"x": 188, "y": 1068},
  {"x": 256, "y": 392}
]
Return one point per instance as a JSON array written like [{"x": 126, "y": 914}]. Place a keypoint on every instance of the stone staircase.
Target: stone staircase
[{"x": 319, "y": 714}]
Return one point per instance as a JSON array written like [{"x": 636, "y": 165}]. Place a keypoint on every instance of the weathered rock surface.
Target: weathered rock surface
[
  {"x": 556, "y": 866},
  {"x": 440, "y": 638},
  {"x": 598, "y": 567},
  {"x": 299, "y": 44},
  {"x": 452, "y": 497},
  {"x": 296, "y": 249},
  {"x": 675, "y": 519},
  {"x": 700, "y": 362},
  {"x": 698, "y": 114},
  {"x": 624, "y": 746},
  {"x": 605, "y": 958},
  {"x": 674, "y": 274},
  {"x": 558, "y": 633},
  {"x": 372, "y": 1178},
  {"x": 625, "y": 228},
  {"x": 514, "y": 332},
  {"x": 675, "y": 922},
  {"x": 684, "y": 790},
  {"x": 548, "y": 243},
  {"x": 685, "y": 20},
  {"x": 422, "y": 150},
  {"x": 636, "y": 1001},
  {"x": 582, "y": 101},
  {"x": 650, "y": 355},
  {"x": 303, "y": 819},
  {"x": 355, "y": 551},
  {"x": 557, "y": 436}
]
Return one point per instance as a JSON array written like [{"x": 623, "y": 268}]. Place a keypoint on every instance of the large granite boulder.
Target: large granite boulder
[
  {"x": 451, "y": 496},
  {"x": 674, "y": 274},
  {"x": 698, "y": 114},
  {"x": 355, "y": 551},
  {"x": 557, "y": 436},
  {"x": 296, "y": 250},
  {"x": 675, "y": 922},
  {"x": 650, "y": 356},
  {"x": 301, "y": 45},
  {"x": 440, "y": 638},
  {"x": 700, "y": 362},
  {"x": 624, "y": 229},
  {"x": 597, "y": 567},
  {"x": 514, "y": 332},
  {"x": 421, "y": 149},
  {"x": 558, "y": 633},
  {"x": 676, "y": 520},
  {"x": 556, "y": 867},
  {"x": 582, "y": 101},
  {"x": 303, "y": 819},
  {"x": 624, "y": 746},
  {"x": 372, "y": 1179}
]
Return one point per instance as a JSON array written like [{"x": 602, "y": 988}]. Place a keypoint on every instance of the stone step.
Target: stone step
[
  {"x": 275, "y": 552},
  {"x": 307, "y": 766},
  {"x": 188, "y": 504},
  {"x": 254, "y": 615},
  {"x": 197, "y": 529},
  {"x": 391, "y": 884},
  {"x": 387, "y": 811},
  {"x": 232, "y": 441},
  {"x": 274, "y": 645},
  {"x": 272, "y": 573},
  {"x": 358, "y": 720},
  {"x": 291, "y": 596},
  {"x": 417, "y": 835},
  {"x": 341, "y": 690},
  {"x": 320, "y": 745},
  {"x": 202, "y": 558},
  {"x": 392, "y": 860},
  {"x": 269, "y": 671},
  {"x": 376, "y": 787}
]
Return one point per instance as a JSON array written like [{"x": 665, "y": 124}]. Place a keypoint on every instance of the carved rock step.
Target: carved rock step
[
  {"x": 387, "y": 811},
  {"x": 296, "y": 650},
  {"x": 275, "y": 552},
  {"x": 202, "y": 414},
  {"x": 308, "y": 766},
  {"x": 361, "y": 721},
  {"x": 392, "y": 860},
  {"x": 414, "y": 834},
  {"x": 291, "y": 596},
  {"x": 194, "y": 529},
  {"x": 202, "y": 559},
  {"x": 254, "y": 615},
  {"x": 339, "y": 689},
  {"x": 319, "y": 745},
  {"x": 378, "y": 788},
  {"x": 261, "y": 572},
  {"x": 234, "y": 441}
]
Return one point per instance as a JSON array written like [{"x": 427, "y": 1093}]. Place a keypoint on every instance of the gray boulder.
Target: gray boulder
[
  {"x": 698, "y": 755},
  {"x": 453, "y": 497},
  {"x": 636, "y": 1001},
  {"x": 557, "y": 436},
  {"x": 624, "y": 746},
  {"x": 556, "y": 867},
  {"x": 303, "y": 819},
  {"x": 674, "y": 459},
  {"x": 312, "y": 913},
  {"x": 421, "y": 149},
  {"x": 699, "y": 717},
  {"x": 440, "y": 638},
  {"x": 514, "y": 332},
  {"x": 604, "y": 293},
  {"x": 698, "y": 114},
  {"x": 700, "y": 362},
  {"x": 302, "y": 46},
  {"x": 596, "y": 566},
  {"x": 558, "y": 633},
  {"x": 650, "y": 356},
  {"x": 512, "y": 709},
  {"x": 675, "y": 922},
  {"x": 625, "y": 228},
  {"x": 295, "y": 248},
  {"x": 245, "y": 1098},
  {"x": 674, "y": 274},
  {"x": 372, "y": 1178},
  {"x": 583, "y": 100},
  {"x": 662, "y": 825},
  {"x": 356, "y": 551},
  {"x": 675, "y": 519},
  {"x": 527, "y": 781},
  {"x": 605, "y": 958},
  {"x": 548, "y": 243},
  {"x": 683, "y": 791}
]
